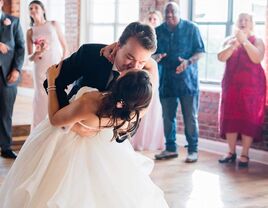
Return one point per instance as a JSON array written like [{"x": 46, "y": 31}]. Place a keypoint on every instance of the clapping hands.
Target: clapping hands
[{"x": 241, "y": 36}]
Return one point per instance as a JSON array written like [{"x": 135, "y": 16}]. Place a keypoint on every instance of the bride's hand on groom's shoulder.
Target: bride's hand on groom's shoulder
[
  {"x": 53, "y": 72},
  {"x": 109, "y": 51}
]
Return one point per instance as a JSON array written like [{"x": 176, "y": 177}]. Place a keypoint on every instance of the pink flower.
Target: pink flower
[
  {"x": 41, "y": 45},
  {"x": 7, "y": 22}
]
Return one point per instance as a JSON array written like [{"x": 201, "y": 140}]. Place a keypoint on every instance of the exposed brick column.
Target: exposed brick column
[
  {"x": 161, "y": 3},
  {"x": 72, "y": 24},
  {"x": 7, "y": 6},
  {"x": 145, "y": 7}
]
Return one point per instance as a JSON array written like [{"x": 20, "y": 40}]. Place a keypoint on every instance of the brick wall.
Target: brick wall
[
  {"x": 208, "y": 120},
  {"x": 146, "y": 6},
  {"x": 7, "y": 6}
]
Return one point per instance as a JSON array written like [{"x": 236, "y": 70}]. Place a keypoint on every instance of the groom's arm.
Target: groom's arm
[{"x": 72, "y": 69}]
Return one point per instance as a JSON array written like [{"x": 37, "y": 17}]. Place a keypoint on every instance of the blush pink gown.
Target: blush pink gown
[
  {"x": 150, "y": 134},
  {"x": 51, "y": 56}
]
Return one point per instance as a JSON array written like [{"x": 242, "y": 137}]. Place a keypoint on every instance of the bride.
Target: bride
[{"x": 55, "y": 169}]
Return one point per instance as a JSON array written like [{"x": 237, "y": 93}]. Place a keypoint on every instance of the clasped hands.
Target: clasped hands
[{"x": 239, "y": 38}]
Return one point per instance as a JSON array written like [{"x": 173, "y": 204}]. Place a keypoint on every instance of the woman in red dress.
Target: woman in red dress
[{"x": 243, "y": 89}]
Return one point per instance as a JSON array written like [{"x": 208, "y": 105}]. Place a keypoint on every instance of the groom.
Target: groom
[
  {"x": 11, "y": 60},
  {"x": 136, "y": 45}
]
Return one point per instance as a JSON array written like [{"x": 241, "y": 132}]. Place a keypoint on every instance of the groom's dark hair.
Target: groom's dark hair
[{"x": 143, "y": 33}]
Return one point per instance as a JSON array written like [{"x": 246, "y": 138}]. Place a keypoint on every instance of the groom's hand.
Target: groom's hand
[{"x": 82, "y": 131}]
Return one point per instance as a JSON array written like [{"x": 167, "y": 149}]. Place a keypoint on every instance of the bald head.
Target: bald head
[{"x": 172, "y": 14}]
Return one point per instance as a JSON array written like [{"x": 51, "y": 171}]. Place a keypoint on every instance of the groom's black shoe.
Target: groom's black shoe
[{"x": 8, "y": 153}]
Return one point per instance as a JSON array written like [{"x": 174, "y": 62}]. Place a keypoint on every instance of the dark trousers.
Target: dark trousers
[
  {"x": 189, "y": 108},
  {"x": 7, "y": 100}
]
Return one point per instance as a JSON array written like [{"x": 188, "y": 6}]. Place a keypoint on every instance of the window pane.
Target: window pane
[
  {"x": 213, "y": 36},
  {"x": 210, "y": 69},
  {"x": 204, "y": 33},
  {"x": 214, "y": 68},
  {"x": 128, "y": 11},
  {"x": 216, "y": 35},
  {"x": 210, "y": 10},
  {"x": 101, "y": 34},
  {"x": 260, "y": 31},
  {"x": 119, "y": 31},
  {"x": 256, "y": 7},
  {"x": 202, "y": 67},
  {"x": 102, "y": 11}
]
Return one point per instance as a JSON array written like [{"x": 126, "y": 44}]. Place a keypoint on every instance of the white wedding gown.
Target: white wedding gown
[{"x": 58, "y": 170}]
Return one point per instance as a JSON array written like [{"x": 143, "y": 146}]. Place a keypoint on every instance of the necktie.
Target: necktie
[{"x": 111, "y": 83}]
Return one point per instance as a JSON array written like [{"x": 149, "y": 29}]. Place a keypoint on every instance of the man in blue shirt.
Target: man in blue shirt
[{"x": 179, "y": 47}]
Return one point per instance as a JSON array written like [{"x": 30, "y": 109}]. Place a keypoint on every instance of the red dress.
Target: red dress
[{"x": 242, "y": 103}]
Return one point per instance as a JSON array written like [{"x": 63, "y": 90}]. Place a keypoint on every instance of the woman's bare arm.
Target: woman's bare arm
[{"x": 61, "y": 39}]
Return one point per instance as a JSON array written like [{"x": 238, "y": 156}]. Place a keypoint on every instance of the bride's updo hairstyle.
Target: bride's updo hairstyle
[{"x": 130, "y": 94}]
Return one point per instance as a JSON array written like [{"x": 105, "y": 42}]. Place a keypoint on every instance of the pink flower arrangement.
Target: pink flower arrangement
[
  {"x": 41, "y": 45},
  {"x": 7, "y": 22}
]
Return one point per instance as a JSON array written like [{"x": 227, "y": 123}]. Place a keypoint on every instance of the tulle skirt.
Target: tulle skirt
[{"x": 58, "y": 170}]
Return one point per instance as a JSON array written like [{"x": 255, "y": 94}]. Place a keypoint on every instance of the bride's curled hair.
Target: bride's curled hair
[{"x": 130, "y": 94}]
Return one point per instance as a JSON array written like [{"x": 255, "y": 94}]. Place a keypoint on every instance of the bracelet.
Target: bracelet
[{"x": 51, "y": 89}]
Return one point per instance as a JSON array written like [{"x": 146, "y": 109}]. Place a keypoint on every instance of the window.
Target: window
[
  {"x": 216, "y": 21},
  {"x": 107, "y": 19}
]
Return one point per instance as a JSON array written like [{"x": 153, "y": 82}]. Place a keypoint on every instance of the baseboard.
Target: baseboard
[{"x": 221, "y": 149}]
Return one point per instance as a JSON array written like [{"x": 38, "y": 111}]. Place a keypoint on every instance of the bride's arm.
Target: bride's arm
[{"x": 70, "y": 114}]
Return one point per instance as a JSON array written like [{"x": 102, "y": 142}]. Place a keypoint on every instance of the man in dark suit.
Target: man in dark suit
[
  {"x": 11, "y": 60},
  {"x": 135, "y": 47}
]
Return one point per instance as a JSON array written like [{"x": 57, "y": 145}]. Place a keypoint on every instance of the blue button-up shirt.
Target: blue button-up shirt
[{"x": 184, "y": 42}]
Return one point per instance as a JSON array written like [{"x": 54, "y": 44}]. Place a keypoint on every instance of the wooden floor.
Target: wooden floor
[{"x": 205, "y": 184}]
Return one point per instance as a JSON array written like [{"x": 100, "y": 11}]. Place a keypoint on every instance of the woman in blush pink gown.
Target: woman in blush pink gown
[
  {"x": 150, "y": 134},
  {"x": 46, "y": 46},
  {"x": 243, "y": 90}
]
